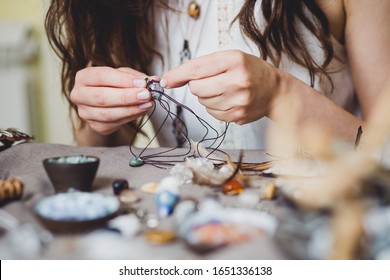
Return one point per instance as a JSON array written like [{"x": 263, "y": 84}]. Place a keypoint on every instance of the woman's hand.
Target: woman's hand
[
  {"x": 107, "y": 98},
  {"x": 233, "y": 86}
]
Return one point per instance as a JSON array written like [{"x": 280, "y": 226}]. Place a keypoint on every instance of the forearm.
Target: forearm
[{"x": 297, "y": 105}]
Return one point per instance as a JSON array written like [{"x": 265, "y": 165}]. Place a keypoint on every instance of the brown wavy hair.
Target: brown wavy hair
[{"x": 118, "y": 33}]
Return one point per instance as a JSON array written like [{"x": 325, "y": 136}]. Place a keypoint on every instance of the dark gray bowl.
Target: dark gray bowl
[
  {"x": 72, "y": 172},
  {"x": 73, "y": 212}
]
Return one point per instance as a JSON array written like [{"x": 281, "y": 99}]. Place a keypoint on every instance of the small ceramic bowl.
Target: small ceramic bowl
[
  {"x": 76, "y": 211},
  {"x": 71, "y": 172}
]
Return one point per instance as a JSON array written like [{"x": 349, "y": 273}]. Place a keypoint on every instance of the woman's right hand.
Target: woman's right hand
[{"x": 107, "y": 98}]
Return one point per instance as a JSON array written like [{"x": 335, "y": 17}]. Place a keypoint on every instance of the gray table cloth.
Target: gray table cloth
[{"x": 25, "y": 161}]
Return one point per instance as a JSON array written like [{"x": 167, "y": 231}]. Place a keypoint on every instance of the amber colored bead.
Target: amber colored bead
[
  {"x": 269, "y": 191},
  {"x": 159, "y": 236},
  {"x": 194, "y": 9},
  {"x": 10, "y": 189},
  {"x": 233, "y": 187},
  {"x": 149, "y": 187}
]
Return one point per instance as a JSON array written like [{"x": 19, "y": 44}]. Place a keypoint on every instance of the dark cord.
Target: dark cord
[
  {"x": 162, "y": 100},
  {"x": 358, "y": 136}
]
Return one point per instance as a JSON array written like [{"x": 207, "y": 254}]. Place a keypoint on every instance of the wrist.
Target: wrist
[
  {"x": 290, "y": 100},
  {"x": 283, "y": 84}
]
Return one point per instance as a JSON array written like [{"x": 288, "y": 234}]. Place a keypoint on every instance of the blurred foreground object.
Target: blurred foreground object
[
  {"x": 10, "y": 189},
  {"x": 11, "y": 137},
  {"x": 342, "y": 211}
]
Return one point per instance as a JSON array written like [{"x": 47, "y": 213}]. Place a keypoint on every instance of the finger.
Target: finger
[
  {"x": 145, "y": 78},
  {"x": 154, "y": 78},
  {"x": 139, "y": 74},
  {"x": 198, "y": 68},
  {"x": 112, "y": 114},
  {"x": 231, "y": 115},
  {"x": 218, "y": 103},
  {"x": 107, "y": 76},
  {"x": 237, "y": 115},
  {"x": 141, "y": 79},
  {"x": 210, "y": 87},
  {"x": 106, "y": 128},
  {"x": 132, "y": 71},
  {"x": 110, "y": 97}
]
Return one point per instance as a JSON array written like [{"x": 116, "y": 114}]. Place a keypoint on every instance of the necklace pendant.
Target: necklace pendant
[
  {"x": 136, "y": 162},
  {"x": 185, "y": 53},
  {"x": 155, "y": 89},
  {"x": 194, "y": 9}
]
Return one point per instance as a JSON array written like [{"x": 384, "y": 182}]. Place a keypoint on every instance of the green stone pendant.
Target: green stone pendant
[{"x": 136, "y": 162}]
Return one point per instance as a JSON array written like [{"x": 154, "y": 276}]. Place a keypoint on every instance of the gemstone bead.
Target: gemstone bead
[
  {"x": 166, "y": 202},
  {"x": 136, "y": 162},
  {"x": 128, "y": 196},
  {"x": 157, "y": 236},
  {"x": 150, "y": 187},
  {"x": 119, "y": 185},
  {"x": 194, "y": 9},
  {"x": 155, "y": 89},
  {"x": 269, "y": 191},
  {"x": 233, "y": 187}
]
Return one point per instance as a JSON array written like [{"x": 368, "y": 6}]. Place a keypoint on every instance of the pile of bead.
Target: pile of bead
[
  {"x": 77, "y": 206},
  {"x": 10, "y": 189}
]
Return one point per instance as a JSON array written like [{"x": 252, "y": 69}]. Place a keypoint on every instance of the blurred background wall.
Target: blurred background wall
[
  {"x": 30, "y": 94},
  {"x": 30, "y": 90}
]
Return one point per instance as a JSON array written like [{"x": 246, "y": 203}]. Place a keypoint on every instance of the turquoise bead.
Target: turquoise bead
[{"x": 136, "y": 162}]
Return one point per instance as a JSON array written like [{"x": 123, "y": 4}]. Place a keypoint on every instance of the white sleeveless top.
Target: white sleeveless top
[{"x": 212, "y": 32}]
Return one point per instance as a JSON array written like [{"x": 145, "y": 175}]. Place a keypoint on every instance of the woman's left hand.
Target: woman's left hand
[{"x": 233, "y": 86}]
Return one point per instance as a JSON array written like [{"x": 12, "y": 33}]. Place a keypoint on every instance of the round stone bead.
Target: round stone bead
[
  {"x": 194, "y": 10},
  {"x": 128, "y": 197},
  {"x": 119, "y": 185},
  {"x": 136, "y": 162},
  {"x": 233, "y": 187}
]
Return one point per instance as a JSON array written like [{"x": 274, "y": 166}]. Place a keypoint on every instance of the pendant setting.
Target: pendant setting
[{"x": 185, "y": 53}]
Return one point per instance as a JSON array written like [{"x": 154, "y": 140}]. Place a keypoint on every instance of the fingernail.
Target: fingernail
[
  {"x": 145, "y": 105},
  {"x": 163, "y": 82},
  {"x": 139, "y": 83},
  {"x": 143, "y": 95}
]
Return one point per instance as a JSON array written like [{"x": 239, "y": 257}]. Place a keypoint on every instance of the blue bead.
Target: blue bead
[
  {"x": 166, "y": 202},
  {"x": 119, "y": 185},
  {"x": 136, "y": 162}
]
